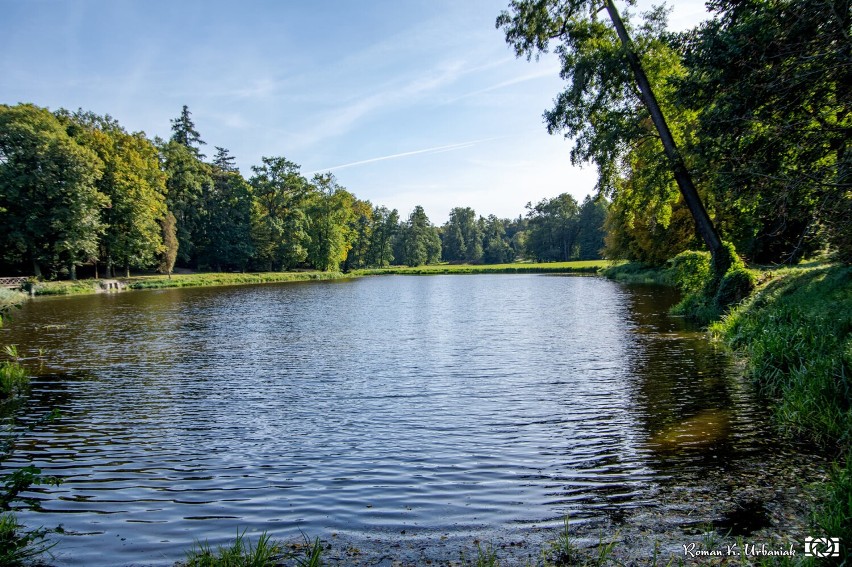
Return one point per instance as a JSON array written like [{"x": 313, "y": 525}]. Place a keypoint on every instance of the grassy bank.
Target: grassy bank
[
  {"x": 82, "y": 287},
  {"x": 796, "y": 337},
  {"x": 577, "y": 267}
]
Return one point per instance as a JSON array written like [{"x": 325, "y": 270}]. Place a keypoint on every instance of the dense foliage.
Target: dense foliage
[
  {"x": 758, "y": 99},
  {"x": 78, "y": 191}
]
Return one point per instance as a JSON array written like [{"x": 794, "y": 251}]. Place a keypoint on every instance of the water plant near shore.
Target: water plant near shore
[{"x": 240, "y": 553}]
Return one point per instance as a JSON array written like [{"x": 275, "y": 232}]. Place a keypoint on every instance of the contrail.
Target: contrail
[{"x": 435, "y": 150}]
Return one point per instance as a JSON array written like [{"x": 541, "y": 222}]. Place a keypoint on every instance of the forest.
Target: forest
[
  {"x": 757, "y": 98},
  {"x": 76, "y": 189}
]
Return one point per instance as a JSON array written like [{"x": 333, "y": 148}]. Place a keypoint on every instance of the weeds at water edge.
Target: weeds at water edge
[{"x": 241, "y": 553}]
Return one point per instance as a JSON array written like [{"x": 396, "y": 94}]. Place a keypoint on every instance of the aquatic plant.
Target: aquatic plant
[{"x": 240, "y": 553}]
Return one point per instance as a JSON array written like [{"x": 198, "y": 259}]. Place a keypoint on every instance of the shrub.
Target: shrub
[
  {"x": 735, "y": 286},
  {"x": 690, "y": 270}
]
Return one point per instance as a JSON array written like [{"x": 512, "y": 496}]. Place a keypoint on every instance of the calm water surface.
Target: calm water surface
[{"x": 434, "y": 405}]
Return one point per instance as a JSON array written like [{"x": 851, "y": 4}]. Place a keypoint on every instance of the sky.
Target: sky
[{"x": 407, "y": 102}]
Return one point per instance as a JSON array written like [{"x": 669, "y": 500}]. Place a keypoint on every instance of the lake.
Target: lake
[{"x": 392, "y": 412}]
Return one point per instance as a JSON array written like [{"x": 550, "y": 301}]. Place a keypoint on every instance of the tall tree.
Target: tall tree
[
  {"x": 421, "y": 243},
  {"x": 185, "y": 134},
  {"x": 228, "y": 206},
  {"x": 602, "y": 66},
  {"x": 590, "y": 241},
  {"x": 188, "y": 184},
  {"x": 50, "y": 207},
  {"x": 771, "y": 83},
  {"x": 496, "y": 247},
  {"x": 329, "y": 214},
  {"x": 462, "y": 237},
  {"x": 385, "y": 227},
  {"x": 134, "y": 184},
  {"x": 553, "y": 229},
  {"x": 279, "y": 224},
  {"x": 361, "y": 227}
]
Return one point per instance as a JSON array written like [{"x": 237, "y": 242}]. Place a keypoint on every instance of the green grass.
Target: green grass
[
  {"x": 796, "y": 338},
  {"x": 796, "y": 335},
  {"x": 82, "y": 287},
  {"x": 13, "y": 379},
  {"x": 219, "y": 278},
  {"x": 18, "y": 547},
  {"x": 240, "y": 553},
  {"x": 577, "y": 267}
]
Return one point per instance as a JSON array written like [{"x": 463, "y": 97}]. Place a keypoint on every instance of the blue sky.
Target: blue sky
[{"x": 407, "y": 102}]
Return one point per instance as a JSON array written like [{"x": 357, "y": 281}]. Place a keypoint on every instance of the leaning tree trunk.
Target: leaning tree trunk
[{"x": 690, "y": 195}]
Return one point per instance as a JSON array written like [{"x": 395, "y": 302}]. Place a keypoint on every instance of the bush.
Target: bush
[
  {"x": 735, "y": 286},
  {"x": 690, "y": 270}
]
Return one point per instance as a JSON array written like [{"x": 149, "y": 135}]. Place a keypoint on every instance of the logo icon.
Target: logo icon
[{"x": 822, "y": 546}]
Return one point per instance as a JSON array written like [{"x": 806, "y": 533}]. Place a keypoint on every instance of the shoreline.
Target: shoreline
[{"x": 212, "y": 279}]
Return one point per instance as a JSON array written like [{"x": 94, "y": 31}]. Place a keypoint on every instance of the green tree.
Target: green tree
[
  {"x": 385, "y": 228},
  {"x": 590, "y": 240},
  {"x": 361, "y": 228},
  {"x": 134, "y": 184},
  {"x": 420, "y": 241},
  {"x": 279, "y": 222},
  {"x": 188, "y": 185},
  {"x": 185, "y": 134},
  {"x": 771, "y": 83},
  {"x": 329, "y": 213},
  {"x": 497, "y": 248},
  {"x": 602, "y": 108},
  {"x": 228, "y": 206},
  {"x": 50, "y": 207},
  {"x": 553, "y": 229},
  {"x": 462, "y": 237}
]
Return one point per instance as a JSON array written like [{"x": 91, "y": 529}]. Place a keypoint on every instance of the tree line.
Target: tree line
[
  {"x": 758, "y": 99},
  {"x": 77, "y": 189}
]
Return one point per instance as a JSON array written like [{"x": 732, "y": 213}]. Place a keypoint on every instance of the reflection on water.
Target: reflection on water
[{"x": 430, "y": 405}]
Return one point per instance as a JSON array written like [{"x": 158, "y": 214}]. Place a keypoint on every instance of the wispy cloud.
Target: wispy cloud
[
  {"x": 434, "y": 150},
  {"x": 342, "y": 118},
  {"x": 550, "y": 71}
]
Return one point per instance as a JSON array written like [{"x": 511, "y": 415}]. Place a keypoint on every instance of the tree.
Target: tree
[
  {"x": 385, "y": 228},
  {"x": 496, "y": 248},
  {"x": 590, "y": 241},
  {"x": 600, "y": 98},
  {"x": 421, "y": 243},
  {"x": 134, "y": 184},
  {"x": 279, "y": 222},
  {"x": 228, "y": 241},
  {"x": 361, "y": 228},
  {"x": 170, "y": 245},
  {"x": 50, "y": 207},
  {"x": 188, "y": 185},
  {"x": 553, "y": 229},
  {"x": 462, "y": 237},
  {"x": 329, "y": 214},
  {"x": 185, "y": 134},
  {"x": 771, "y": 84}
]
